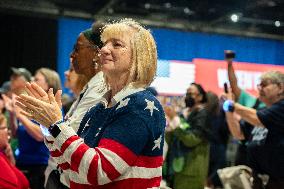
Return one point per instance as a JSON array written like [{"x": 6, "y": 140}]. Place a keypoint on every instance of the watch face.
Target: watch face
[{"x": 55, "y": 130}]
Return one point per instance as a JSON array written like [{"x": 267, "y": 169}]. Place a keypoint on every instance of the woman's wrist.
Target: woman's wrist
[
  {"x": 229, "y": 106},
  {"x": 54, "y": 129}
]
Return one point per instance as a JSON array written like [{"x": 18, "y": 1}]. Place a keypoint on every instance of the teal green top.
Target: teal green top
[{"x": 248, "y": 100}]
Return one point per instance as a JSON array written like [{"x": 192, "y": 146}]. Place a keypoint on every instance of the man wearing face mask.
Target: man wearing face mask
[{"x": 189, "y": 142}]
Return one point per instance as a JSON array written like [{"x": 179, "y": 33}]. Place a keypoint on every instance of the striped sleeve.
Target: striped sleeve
[{"x": 116, "y": 153}]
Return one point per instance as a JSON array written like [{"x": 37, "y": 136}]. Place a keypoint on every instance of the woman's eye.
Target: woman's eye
[{"x": 117, "y": 44}]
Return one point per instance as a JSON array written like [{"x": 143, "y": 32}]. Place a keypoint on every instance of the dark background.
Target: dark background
[{"x": 28, "y": 42}]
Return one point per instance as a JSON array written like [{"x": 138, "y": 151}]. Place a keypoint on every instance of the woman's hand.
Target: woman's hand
[
  {"x": 46, "y": 112},
  {"x": 228, "y": 96},
  {"x": 36, "y": 91}
]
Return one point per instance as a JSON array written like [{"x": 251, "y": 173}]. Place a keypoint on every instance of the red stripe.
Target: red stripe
[
  {"x": 129, "y": 157},
  {"x": 55, "y": 153},
  {"x": 74, "y": 185},
  {"x": 77, "y": 156},
  {"x": 134, "y": 183},
  {"x": 68, "y": 142},
  {"x": 149, "y": 162},
  {"x": 64, "y": 166},
  {"x": 123, "y": 184},
  {"x": 122, "y": 151},
  {"x": 93, "y": 170},
  {"x": 107, "y": 167}
]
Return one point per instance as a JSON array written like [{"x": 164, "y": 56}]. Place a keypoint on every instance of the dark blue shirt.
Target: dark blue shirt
[
  {"x": 30, "y": 151},
  {"x": 268, "y": 156}
]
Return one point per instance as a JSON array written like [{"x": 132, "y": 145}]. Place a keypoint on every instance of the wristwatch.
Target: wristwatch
[
  {"x": 229, "y": 106},
  {"x": 55, "y": 129}
]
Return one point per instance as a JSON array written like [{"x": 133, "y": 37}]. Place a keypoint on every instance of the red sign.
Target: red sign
[{"x": 212, "y": 74}]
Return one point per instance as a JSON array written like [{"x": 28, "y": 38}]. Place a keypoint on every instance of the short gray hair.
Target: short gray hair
[{"x": 273, "y": 76}]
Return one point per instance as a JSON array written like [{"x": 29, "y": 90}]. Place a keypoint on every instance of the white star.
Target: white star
[
  {"x": 151, "y": 106},
  {"x": 87, "y": 124},
  {"x": 123, "y": 103},
  {"x": 98, "y": 132},
  {"x": 157, "y": 143}
]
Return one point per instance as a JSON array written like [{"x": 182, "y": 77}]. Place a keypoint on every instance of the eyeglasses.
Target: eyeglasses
[{"x": 264, "y": 84}]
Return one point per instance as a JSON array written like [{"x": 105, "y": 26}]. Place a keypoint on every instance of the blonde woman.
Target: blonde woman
[{"x": 120, "y": 141}]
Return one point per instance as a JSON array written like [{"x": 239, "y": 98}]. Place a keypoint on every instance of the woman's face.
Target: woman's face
[
  {"x": 82, "y": 55},
  {"x": 192, "y": 97},
  {"x": 41, "y": 81},
  {"x": 71, "y": 78},
  {"x": 116, "y": 55},
  {"x": 269, "y": 92}
]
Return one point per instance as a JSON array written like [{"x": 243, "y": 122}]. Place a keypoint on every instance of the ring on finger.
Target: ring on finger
[{"x": 30, "y": 111}]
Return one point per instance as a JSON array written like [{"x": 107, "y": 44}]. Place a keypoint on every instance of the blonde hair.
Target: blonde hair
[
  {"x": 51, "y": 77},
  {"x": 144, "y": 50}
]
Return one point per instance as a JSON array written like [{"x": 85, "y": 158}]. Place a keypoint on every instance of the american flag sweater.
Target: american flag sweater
[{"x": 117, "y": 147}]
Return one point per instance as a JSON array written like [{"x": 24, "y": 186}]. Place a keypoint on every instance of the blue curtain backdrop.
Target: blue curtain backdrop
[{"x": 179, "y": 45}]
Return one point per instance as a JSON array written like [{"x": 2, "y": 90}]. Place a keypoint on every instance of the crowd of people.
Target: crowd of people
[{"x": 115, "y": 132}]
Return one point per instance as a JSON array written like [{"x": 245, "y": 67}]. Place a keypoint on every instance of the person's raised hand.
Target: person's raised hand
[{"x": 8, "y": 103}]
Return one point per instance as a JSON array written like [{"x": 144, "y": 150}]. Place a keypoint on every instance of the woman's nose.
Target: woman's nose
[
  {"x": 72, "y": 56},
  {"x": 105, "y": 50},
  {"x": 66, "y": 73}
]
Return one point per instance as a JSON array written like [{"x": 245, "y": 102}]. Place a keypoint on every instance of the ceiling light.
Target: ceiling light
[
  {"x": 277, "y": 23},
  {"x": 168, "y": 5},
  {"x": 234, "y": 17},
  {"x": 186, "y": 10},
  {"x": 147, "y": 5}
]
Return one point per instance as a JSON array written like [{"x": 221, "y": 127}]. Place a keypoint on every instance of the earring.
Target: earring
[{"x": 96, "y": 65}]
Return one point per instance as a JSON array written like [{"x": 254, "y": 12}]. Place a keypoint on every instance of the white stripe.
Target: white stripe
[
  {"x": 132, "y": 172},
  {"x": 116, "y": 161},
  {"x": 59, "y": 159},
  {"x": 77, "y": 178},
  {"x": 71, "y": 149},
  {"x": 141, "y": 172},
  {"x": 66, "y": 133},
  {"x": 82, "y": 176},
  {"x": 102, "y": 176},
  {"x": 50, "y": 146}
]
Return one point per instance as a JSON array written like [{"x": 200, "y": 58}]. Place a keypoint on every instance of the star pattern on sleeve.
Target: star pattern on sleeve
[
  {"x": 99, "y": 130},
  {"x": 157, "y": 143},
  {"x": 87, "y": 124},
  {"x": 123, "y": 103},
  {"x": 150, "y": 106}
]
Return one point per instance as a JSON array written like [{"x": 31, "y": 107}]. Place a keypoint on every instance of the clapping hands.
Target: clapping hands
[{"x": 45, "y": 108}]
